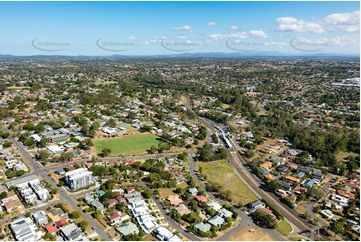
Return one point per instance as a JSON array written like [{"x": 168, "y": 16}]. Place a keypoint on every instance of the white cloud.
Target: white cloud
[
  {"x": 181, "y": 37},
  {"x": 241, "y": 35},
  {"x": 211, "y": 23},
  {"x": 234, "y": 27},
  {"x": 349, "y": 22},
  {"x": 274, "y": 43},
  {"x": 131, "y": 38},
  {"x": 152, "y": 41},
  {"x": 258, "y": 33},
  {"x": 290, "y": 24},
  {"x": 185, "y": 27}
]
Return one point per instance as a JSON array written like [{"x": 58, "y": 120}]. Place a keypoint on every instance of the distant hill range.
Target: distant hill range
[{"x": 260, "y": 54}]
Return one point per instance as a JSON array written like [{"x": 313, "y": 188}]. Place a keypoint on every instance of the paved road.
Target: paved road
[
  {"x": 172, "y": 223},
  {"x": 41, "y": 171},
  {"x": 245, "y": 219},
  {"x": 237, "y": 162}
]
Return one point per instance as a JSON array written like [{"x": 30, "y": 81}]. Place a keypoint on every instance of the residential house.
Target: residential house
[
  {"x": 214, "y": 205},
  {"x": 174, "y": 200},
  {"x": 305, "y": 170},
  {"x": 203, "y": 227},
  {"x": 318, "y": 176},
  {"x": 97, "y": 205},
  {"x": 299, "y": 174},
  {"x": 127, "y": 229},
  {"x": 163, "y": 234},
  {"x": 72, "y": 232},
  {"x": 327, "y": 213},
  {"x": 309, "y": 183},
  {"x": 193, "y": 191},
  {"x": 60, "y": 223},
  {"x": 267, "y": 165},
  {"x": 50, "y": 229},
  {"x": 225, "y": 213},
  {"x": 23, "y": 229},
  {"x": 182, "y": 209},
  {"x": 216, "y": 221},
  {"x": 201, "y": 199},
  {"x": 112, "y": 202},
  {"x": 343, "y": 193},
  {"x": 268, "y": 212},
  {"x": 40, "y": 218},
  {"x": 13, "y": 204},
  {"x": 253, "y": 206},
  {"x": 292, "y": 179}
]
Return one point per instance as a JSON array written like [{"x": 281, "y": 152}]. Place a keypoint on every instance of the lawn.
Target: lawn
[
  {"x": 342, "y": 155},
  {"x": 284, "y": 228},
  {"x": 222, "y": 173},
  {"x": 251, "y": 233},
  {"x": 127, "y": 145},
  {"x": 105, "y": 82},
  {"x": 165, "y": 192}
]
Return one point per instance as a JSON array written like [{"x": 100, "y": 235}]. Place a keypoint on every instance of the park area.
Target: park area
[
  {"x": 127, "y": 145},
  {"x": 222, "y": 173}
]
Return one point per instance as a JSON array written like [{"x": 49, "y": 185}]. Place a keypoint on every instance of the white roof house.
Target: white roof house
[{"x": 326, "y": 213}]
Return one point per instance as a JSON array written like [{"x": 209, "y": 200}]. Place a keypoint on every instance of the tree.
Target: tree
[
  {"x": 112, "y": 123},
  {"x": 275, "y": 185},
  {"x": 83, "y": 225},
  {"x": 265, "y": 220},
  {"x": 43, "y": 142},
  {"x": 76, "y": 214},
  {"x": 106, "y": 152},
  {"x": 54, "y": 190},
  {"x": 20, "y": 173},
  {"x": 338, "y": 226},
  {"x": 95, "y": 125},
  {"x": 152, "y": 149},
  {"x": 43, "y": 155},
  {"x": 147, "y": 193},
  {"x": 7, "y": 144},
  {"x": 3, "y": 195},
  {"x": 96, "y": 214}
]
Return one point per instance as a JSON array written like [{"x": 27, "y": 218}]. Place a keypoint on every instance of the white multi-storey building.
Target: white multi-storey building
[{"x": 79, "y": 178}]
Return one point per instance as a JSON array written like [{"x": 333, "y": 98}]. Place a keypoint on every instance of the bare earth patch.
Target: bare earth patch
[{"x": 251, "y": 233}]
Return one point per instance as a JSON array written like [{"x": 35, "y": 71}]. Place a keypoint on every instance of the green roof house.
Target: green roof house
[
  {"x": 128, "y": 228},
  {"x": 299, "y": 174},
  {"x": 203, "y": 227}
]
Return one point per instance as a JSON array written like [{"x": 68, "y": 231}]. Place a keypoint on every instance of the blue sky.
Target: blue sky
[{"x": 145, "y": 28}]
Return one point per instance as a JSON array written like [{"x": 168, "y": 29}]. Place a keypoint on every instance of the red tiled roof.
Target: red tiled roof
[
  {"x": 269, "y": 177},
  {"x": 121, "y": 199},
  {"x": 50, "y": 228},
  {"x": 346, "y": 194},
  {"x": 112, "y": 202},
  {"x": 293, "y": 179},
  {"x": 60, "y": 222},
  {"x": 266, "y": 165},
  {"x": 352, "y": 185},
  {"x": 129, "y": 162},
  {"x": 265, "y": 210},
  {"x": 114, "y": 215},
  {"x": 201, "y": 198}
]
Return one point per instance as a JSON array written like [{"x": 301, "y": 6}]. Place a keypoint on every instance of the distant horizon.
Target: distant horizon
[
  {"x": 167, "y": 28},
  {"x": 193, "y": 55}
]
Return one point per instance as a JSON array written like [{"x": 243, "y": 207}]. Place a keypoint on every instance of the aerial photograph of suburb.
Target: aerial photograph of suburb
[{"x": 180, "y": 120}]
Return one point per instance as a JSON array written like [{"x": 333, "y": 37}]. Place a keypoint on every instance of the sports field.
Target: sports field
[{"x": 127, "y": 145}]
